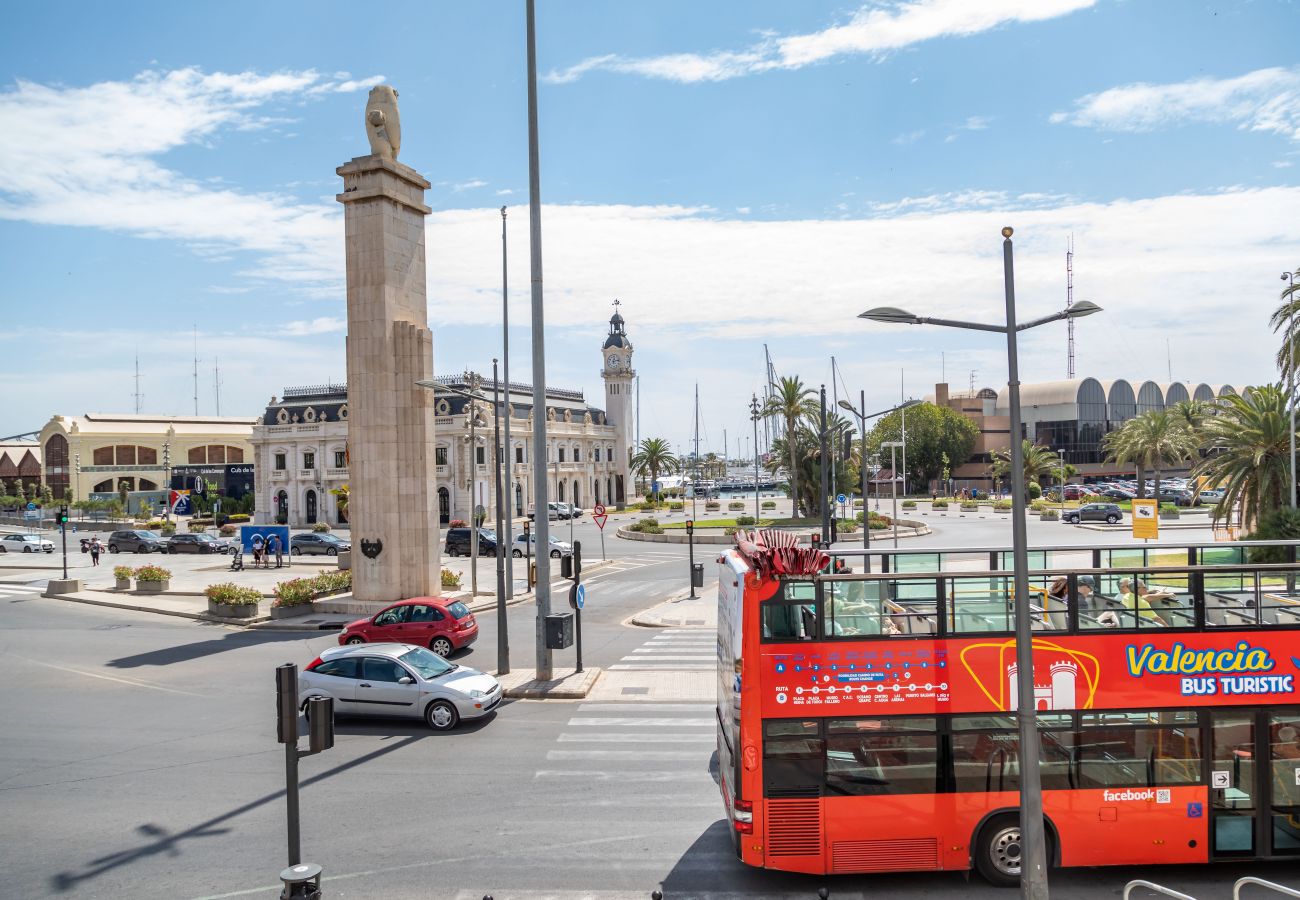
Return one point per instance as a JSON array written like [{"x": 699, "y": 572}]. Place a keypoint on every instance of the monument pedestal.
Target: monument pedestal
[{"x": 393, "y": 502}]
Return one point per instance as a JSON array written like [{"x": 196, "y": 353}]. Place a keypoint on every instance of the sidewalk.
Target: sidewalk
[{"x": 682, "y": 611}]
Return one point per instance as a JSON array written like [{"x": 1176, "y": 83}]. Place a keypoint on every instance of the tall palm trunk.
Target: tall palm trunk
[
  {"x": 790, "y": 426},
  {"x": 1142, "y": 481}
]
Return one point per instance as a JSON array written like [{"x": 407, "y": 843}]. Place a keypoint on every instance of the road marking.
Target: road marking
[
  {"x": 625, "y": 755},
  {"x": 677, "y": 667},
  {"x": 118, "y": 679},
  {"x": 610, "y": 721},
  {"x": 646, "y": 707},
  {"x": 648, "y": 777},
  {"x": 636, "y": 738},
  {"x": 660, "y": 657}
]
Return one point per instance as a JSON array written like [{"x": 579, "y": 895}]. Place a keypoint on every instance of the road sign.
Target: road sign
[
  {"x": 578, "y": 596},
  {"x": 655, "y": 486},
  {"x": 598, "y": 516},
  {"x": 841, "y": 499},
  {"x": 1146, "y": 523},
  {"x": 31, "y": 505}
]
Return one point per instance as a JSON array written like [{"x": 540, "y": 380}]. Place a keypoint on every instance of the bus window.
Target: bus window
[
  {"x": 1120, "y": 755},
  {"x": 792, "y": 758},
  {"x": 986, "y": 753},
  {"x": 980, "y": 604},
  {"x": 854, "y": 608},
  {"x": 872, "y": 757}
]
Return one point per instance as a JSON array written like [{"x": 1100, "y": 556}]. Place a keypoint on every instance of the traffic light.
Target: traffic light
[
  {"x": 566, "y": 566},
  {"x": 63, "y": 515}
]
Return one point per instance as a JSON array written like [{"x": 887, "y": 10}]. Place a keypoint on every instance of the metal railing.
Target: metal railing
[
  {"x": 1260, "y": 882},
  {"x": 1152, "y": 886}
]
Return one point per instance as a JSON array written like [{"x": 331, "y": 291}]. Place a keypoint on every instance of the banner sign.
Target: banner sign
[
  {"x": 1146, "y": 523},
  {"x": 1138, "y": 671}
]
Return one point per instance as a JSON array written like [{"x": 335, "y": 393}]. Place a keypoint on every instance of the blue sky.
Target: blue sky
[{"x": 736, "y": 173}]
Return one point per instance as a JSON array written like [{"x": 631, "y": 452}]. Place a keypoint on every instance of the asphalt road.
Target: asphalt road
[{"x": 138, "y": 761}]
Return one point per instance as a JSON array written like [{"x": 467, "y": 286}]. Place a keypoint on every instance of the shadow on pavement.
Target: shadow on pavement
[
  {"x": 229, "y": 640},
  {"x": 161, "y": 841}
]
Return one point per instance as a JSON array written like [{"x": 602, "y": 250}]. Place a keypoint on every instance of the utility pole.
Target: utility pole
[
  {"x": 543, "y": 590},
  {"x": 216, "y": 382},
  {"x": 196, "y": 371},
  {"x": 505, "y": 412},
  {"x": 825, "y": 472},
  {"x": 503, "y": 547},
  {"x": 138, "y": 396}
]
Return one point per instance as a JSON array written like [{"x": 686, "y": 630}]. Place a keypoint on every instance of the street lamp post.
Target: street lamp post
[
  {"x": 503, "y": 547},
  {"x": 1290, "y": 381},
  {"x": 507, "y": 451},
  {"x": 167, "y": 480},
  {"x": 862, "y": 418},
  {"x": 824, "y": 473},
  {"x": 1061, "y": 453},
  {"x": 754, "y": 410},
  {"x": 893, "y": 485},
  {"x": 1033, "y": 867}
]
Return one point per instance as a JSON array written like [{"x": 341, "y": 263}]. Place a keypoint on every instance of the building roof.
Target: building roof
[{"x": 130, "y": 423}]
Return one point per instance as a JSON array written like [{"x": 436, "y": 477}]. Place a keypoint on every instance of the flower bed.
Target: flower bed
[
  {"x": 450, "y": 579},
  {"x": 713, "y": 505},
  {"x": 301, "y": 591},
  {"x": 321, "y": 528},
  {"x": 152, "y": 579},
  {"x": 647, "y": 526},
  {"x": 232, "y": 601},
  {"x": 736, "y": 504},
  {"x": 123, "y": 574}
]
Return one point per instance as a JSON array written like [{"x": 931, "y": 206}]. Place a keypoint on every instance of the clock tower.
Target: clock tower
[{"x": 620, "y": 404}]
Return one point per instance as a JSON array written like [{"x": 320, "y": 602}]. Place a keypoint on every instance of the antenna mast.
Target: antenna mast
[
  {"x": 216, "y": 382},
  {"x": 1069, "y": 301},
  {"x": 138, "y": 396}
]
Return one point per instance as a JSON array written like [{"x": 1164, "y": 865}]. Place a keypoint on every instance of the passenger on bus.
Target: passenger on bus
[{"x": 1136, "y": 602}]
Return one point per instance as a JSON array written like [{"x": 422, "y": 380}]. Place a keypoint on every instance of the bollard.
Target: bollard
[{"x": 301, "y": 882}]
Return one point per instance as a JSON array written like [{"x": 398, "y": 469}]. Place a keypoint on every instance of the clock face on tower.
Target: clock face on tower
[{"x": 613, "y": 360}]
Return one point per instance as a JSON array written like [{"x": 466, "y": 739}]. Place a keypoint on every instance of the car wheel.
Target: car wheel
[
  {"x": 441, "y": 646},
  {"x": 27, "y": 549},
  {"x": 555, "y": 554},
  {"x": 356, "y": 639},
  {"x": 451, "y": 551},
  {"x": 1112, "y": 519},
  {"x": 112, "y": 548},
  {"x": 332, "y": 551},
  {"x": 295, "y": 551},
  {"x": 441, "y": 715},
  {"x": 518, "y": 554},
  {"x": 140, "y": 548}
]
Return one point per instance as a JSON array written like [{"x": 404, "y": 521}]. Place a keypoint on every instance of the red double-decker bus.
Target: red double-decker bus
[{"x": 866, "y": 723}]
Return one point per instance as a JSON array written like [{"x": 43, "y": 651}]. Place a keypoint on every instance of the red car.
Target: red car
[{"x": 444, "y": 626}]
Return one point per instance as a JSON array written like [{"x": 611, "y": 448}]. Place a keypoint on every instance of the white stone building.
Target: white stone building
[{"x": 301, "y": 445}]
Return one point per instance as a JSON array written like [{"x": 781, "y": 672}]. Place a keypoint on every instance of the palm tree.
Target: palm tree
[
  {"x": 1039, "y": 462},
  {"x": 792, "y": 401},
  {"x": 1282, "y": 320},
  {"x": 341, "y": 493},
  {"x": 652, "y": 457},
  {"x": 1249, "y": 446},
  {"x": 1152, "y": 440}
]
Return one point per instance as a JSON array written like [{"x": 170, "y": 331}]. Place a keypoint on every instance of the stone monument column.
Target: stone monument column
[{"x": 393, "y": 507}]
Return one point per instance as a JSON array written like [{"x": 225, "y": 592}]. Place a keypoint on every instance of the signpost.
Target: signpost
[
  {"x": 598, "y": 515},
  {"x": 690, "y": 539},
  {"x": 577, "y": 597},
  {"x": 1146, "y": 521}
]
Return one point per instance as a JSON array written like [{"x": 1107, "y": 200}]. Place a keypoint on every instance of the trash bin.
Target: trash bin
[{"x": 697, "y": 575}]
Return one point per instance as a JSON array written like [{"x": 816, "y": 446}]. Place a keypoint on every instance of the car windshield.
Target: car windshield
[
  {"x": 202, "y": 537},
  {"x": 144, "y": 534},
  {"x": 458, "y": 610},
  {"x": 330, "y": 538},
  {"x": 429, "y": 665}
]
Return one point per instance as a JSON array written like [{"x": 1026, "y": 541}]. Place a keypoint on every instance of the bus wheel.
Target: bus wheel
[{"x": 997, "y": 851}]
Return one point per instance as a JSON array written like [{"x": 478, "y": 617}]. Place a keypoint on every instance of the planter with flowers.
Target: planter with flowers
[
  {"x": 232, "y": 601},
  {"x": 152, "y": 579},
  {"x": 294, "y": 597},
  {"x": 123, "y": 574}
]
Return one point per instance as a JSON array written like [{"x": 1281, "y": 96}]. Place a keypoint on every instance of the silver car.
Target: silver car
[{"x": 399, "y": 680}]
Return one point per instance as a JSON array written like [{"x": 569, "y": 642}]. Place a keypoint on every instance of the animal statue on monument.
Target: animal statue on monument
[{"x": 383, "y": 124}]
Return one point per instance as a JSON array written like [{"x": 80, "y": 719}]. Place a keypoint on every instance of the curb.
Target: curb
[
  {"x": 646, "y": 618},
  {"x": 575, "y": 686},
  {"x": 259, "y": 623}
]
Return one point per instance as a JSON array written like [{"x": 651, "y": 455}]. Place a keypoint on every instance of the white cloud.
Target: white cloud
[
  {"x": 874, "y": 30},
  {"x": 976, "y": 123},
  {"x": 105, "y": 173},
  {"x": 468, "y": 185},
  {"x": 322, "y": 325},
  {"x": 910, "y": 137},
  {"x": 1263, "y": 100},
  {"x": 504, "y": 192}
]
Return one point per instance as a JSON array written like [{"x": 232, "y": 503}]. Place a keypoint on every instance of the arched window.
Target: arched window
[
  {"x": 577, "y": 497},
  {"x": 57, "y": 473},
  {"x": 282, "y": 508},
  {"x": 598, "y": 492},
  {"x": 596, "y": 451},
  {"x": 1176, "y": 393},
  {"x": 561, "y": 492},
  {"x": 561, "y": 454},
  {"x": 311, "y": 507},
  {"x": 519, "y": 499},
  {"x": 444, "y": 506},
  {"x": 577, "y": 453}
]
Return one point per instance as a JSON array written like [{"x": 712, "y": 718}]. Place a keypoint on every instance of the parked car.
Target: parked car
[
  {"x": 1177, "y": 496},
  {"x": 444, "y": 626},
  {"x": 555, "y": 511},
  {"x": 311, "y": 543},
  {"x": 193, "y": 543},
  {"x": 460, "y": 542},
  {"x": 524, "y": 541},
  {"x": 1211, "y": 495},
  {"x": 1116, "y": 492},
  {"x": 26, "y": 543},
  {"x": 574, "y": 512},
  {"x": 399, "y": 680},
  {"x": 1094, "y": 512},
  {"x": 136, "y": 542}
]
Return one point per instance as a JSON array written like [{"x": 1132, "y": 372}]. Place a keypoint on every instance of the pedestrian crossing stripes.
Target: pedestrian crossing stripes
[
  {"x": 18, "y": 590},
  {"x": 683, "y": 650},
  {"x": 662, "y": 732}
]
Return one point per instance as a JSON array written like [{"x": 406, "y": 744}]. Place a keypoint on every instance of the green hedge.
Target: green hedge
[
  {"x": 305, "y": 590},
  {"x": 231, "y": 594}
]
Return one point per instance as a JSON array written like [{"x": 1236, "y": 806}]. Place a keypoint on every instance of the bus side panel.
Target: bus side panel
[
  {"x": 904, "y": 832},
  {"x": 1131, "y": 826}
]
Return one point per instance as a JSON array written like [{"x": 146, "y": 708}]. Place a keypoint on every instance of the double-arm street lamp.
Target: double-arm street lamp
[
  {"x": 862, "y": 424},
  {"x": 1033, "y": 859},
  {"x": 755, "y": 413}
]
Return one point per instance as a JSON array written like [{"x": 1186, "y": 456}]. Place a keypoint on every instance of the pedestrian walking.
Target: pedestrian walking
[
  {"x": 95, "y": 549},
  {"x": 278, "y": 549},
  {"x": 259, "y": 546}
]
